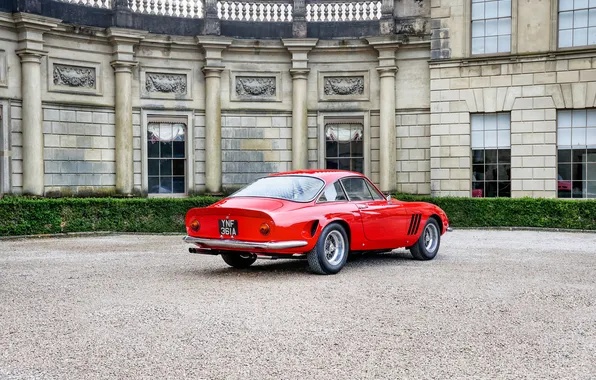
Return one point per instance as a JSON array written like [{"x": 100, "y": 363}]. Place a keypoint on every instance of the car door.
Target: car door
[{"x": 384, "y": 221}]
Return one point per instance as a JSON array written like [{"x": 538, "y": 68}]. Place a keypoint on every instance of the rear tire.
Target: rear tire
[
  {"x": 331, "y": 251},
  {"x": 239, "y": 260},
  {"x": 428, "y": 243}
]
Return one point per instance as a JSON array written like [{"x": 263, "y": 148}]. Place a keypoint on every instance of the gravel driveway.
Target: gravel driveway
[{"x": 493, "y": 304}]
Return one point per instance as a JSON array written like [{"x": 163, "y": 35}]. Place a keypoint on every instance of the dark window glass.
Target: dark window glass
[
  {"x": 491, "y": 173},
  {"x": 357, "y": 189},
  {"x": 375, "y": 194},
  {"x": 344, "y": 146},
  {"x": 166, "y": 156},
  {"x": 574, "y": 176}
]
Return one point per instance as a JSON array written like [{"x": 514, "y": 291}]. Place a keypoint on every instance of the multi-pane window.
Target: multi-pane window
[
  {"x": 576, "y": 132},
  {"x": 344, "y": 146},
  {"x": 491, "y": 155},
  {"x": 491, "y": 26},
  {"x": 166, "y": 157},
  {"x": 577, "y": 23}
]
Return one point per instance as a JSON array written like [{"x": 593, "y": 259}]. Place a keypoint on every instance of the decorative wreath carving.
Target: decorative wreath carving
[
  {"x": 165, "y": 83},
  {"x": 344, "y": 86},
  {"x": 74, "y": 76},
  {"x": 255, "y": 87}
]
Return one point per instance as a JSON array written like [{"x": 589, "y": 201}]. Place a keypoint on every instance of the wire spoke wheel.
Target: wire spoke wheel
[{"x": 335, "y": 247}]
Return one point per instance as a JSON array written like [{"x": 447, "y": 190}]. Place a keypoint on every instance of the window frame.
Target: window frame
[
  {"x": 573, "y": 148},
  {"x": 467, "y": 47},
  {"x": 324, "y": 118},
  {"x": 335, "y": 201},
  {"x": 484, "y": 149},
  {"x": 556, "y": 28},
  {"x": 169, "y": 116}
]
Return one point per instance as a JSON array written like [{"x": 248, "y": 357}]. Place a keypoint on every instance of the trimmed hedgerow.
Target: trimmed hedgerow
[
  {"x": 27, "y": 216},
  {"x": 514, "y": 212}
]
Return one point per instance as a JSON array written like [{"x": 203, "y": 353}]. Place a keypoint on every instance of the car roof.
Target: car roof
[{"x": 327, "y": 175}]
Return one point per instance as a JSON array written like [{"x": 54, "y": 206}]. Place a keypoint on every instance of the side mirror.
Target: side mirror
[{"x": 388, "y": 197}]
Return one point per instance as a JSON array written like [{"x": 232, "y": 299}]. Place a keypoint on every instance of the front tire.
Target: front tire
[
  {"x": 331, "y": 251},
  {"x": 428, "y": 243},
  {"x": 239, "y": 260}
]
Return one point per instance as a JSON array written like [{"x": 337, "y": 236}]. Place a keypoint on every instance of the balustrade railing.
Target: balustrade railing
[
  {"x": 264, "y": 11},
  {"x": 175, "y": 8},
  {"x": 247, "y": 10},
  {"x": 343, "y": 11},
  {"x": 90, "y": 3}
]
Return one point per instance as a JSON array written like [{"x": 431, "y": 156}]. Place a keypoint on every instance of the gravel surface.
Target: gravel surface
[{"x": 493, "y": 304}]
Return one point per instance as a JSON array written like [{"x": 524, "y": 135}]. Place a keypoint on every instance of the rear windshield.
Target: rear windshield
[{"x": 291, "y": 188}]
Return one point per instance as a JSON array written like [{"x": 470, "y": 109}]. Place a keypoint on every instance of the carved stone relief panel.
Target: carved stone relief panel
[
  {"x": 165, "y": 83},
  {"x": 255, "y": 86},
  {"x": 344, "y": 85},
  {"x": 73, "y": 76}
]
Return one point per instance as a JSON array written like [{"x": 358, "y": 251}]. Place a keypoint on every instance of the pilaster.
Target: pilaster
[
  {"x": 299, "y": 48},
  {"x": 213, "y": 47},
  {"x": 123, "y": 60},
  {"x": 388, "y": 142},
  {"x": 30, "y": 29}
]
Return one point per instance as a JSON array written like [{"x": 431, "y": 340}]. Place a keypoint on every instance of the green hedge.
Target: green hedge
[
  {"x": 27, "y": 216},
  {"x": 514, "y": 212}
]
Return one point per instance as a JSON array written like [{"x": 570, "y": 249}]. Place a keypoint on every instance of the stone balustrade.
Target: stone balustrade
[{"x": 343, "y": 11}]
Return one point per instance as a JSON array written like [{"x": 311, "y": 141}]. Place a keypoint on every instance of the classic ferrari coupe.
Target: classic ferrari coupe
[{"x": 320, "y": 215}]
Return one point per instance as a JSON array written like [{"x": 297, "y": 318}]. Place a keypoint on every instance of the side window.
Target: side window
[
  {"x": 357, "y": 189},
  {"x": 375, "y": 194},
  {"x": 333, "y": 193}
]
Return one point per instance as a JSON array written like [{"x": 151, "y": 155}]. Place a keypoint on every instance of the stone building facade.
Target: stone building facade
[{"x": 446, "y": 97}]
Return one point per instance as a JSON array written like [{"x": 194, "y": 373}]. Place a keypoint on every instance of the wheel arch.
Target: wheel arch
[{"x": 437, "y": 219}]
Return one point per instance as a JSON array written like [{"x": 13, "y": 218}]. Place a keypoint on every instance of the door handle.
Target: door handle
[{"x": 361, "y": 206}]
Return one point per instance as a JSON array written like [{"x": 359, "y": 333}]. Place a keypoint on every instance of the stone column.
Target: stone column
[
  {"x": 123, "y": 41},
  {"x": 299, "y": 48},
  {"x": 213, "y": 157},
  {"x": 212, "y": 70},
  {"x": 386, "y": 46},
  {"x": 388, "y": 152},
  {"x": 30, "y": 34}
]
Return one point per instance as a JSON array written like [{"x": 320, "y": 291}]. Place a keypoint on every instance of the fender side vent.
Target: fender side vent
[
  {"x": 313, "y": 229},
  {"x": 414, "y": 224}
]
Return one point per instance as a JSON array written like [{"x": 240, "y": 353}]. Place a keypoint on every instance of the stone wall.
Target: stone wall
[
  {"x": 254, "y": 145},
  {"x": 78, "y": 149},
  {"x": 532, "y": 90}
]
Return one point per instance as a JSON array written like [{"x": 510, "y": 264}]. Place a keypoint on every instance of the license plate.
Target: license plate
[{"x": 228, "y": 227}]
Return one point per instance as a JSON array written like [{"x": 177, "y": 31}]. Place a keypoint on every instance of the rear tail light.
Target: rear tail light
[
  {"x": 264, "y": 229},
  {"x": 195, "y": 225}
]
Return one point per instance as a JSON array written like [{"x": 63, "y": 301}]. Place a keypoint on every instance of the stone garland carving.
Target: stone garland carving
[
  {"x": 165, "y": 83},
  {"x": 74, "y": 76},
  {"x": 255, "y": 87},
  {"x": 344, "y": 86}
]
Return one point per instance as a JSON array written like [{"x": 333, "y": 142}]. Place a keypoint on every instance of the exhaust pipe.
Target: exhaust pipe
[{"x": 203, "y": 251}]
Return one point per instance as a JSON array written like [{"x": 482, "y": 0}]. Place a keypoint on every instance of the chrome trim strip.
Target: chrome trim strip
[{"x": 229, "y": 243}]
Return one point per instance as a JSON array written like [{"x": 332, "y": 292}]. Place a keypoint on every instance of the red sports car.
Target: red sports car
[{"x": 320, "y": 215}]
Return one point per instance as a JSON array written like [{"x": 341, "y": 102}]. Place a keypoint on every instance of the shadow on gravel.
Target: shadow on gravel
[{"x": 283, "y": 267}]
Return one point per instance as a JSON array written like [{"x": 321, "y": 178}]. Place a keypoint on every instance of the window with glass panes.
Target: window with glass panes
[
  {"x": 576, "y": 142},
  {"x": 491, "y": 155},
  {"x": 344, "y": 146},
  {"x": 166, "y": 158},
  {"x": 491, "y": 26},
  {"x": 577, "y": 23}
]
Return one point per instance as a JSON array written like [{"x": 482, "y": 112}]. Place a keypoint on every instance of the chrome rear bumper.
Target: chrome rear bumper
[{"x": 239, "y": 244}]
